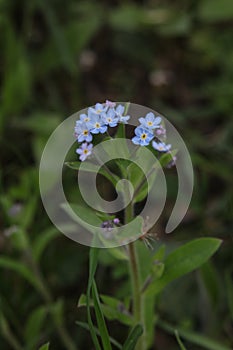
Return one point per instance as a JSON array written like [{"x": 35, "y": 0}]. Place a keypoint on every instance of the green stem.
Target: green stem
[
  {"x": 138, "y": 313},
  {"x": 134, "y": 271}
]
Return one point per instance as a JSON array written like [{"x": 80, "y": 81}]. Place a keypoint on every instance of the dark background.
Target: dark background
[{"x": 58, "y": 57}]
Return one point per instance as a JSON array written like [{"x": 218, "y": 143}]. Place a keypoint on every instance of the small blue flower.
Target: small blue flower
[
  {"x": 85, "y": 118},
  {"x": 119, "y": 112},
  {"x": 143, "y": 136},
  {"x": 96, "y": 125},
  {"x": 110, "y": 118},
  {"x": 98, "y": 109},
  {"x": 84, "y": 150},
  {"x": 82, "y": 132},
  {"x": 161, "y": 146},
  {"x": 150, "y": 121}
]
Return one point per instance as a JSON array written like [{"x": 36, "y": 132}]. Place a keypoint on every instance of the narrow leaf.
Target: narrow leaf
[
  {"x": 44, "y": 347},
  {"x": 93, "y": 259},
  {"x": 42, "y": 241},
  {"x": 100, "y": 318},
  {"x": 92, "y": 168},
  {"x": 20, "y": 268},
  {"x": 185, "y": 259},
  {"x": 133, "y": 337},
  {"x": 182, "y": 347},
  {"x": 112, "y": 340},
  {"x": 34, "y": 324},
  {"x": 202, "y": 341}
]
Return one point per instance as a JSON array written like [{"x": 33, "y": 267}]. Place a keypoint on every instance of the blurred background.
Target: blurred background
[{"x": 58, "y": 57}]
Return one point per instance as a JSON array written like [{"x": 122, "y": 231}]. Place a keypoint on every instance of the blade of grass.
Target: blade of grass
[
  {"x": 194, "y": 338},
  {"x": 93, "y": 258},
  {"x": 100, "y": 318},
  {"x": 133, "y": 337},
  {"x": 112, "y": 340},
  {"x": 182, "y": 347}
]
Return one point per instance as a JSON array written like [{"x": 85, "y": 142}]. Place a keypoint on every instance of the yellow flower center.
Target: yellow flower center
[
  {"x": 143, "y": 136},
  {"x": 149, "y": 123},
  {"x": 97, "y": 125},
  {"x": 109, "y": 120},
  {"x": 98, "y": 111},
  {"x": 85, "y": 132},
  {"x": 86, "y": 119},
  {"x": 85, "y": 151}
]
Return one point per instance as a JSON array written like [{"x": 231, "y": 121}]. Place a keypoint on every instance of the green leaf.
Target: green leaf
[
  {"x": 133, "y": 337},
  {"x": 20, "y": 268},
  {"x": 34, "y": 324},
  {"x": 182, "y": 347},
  {"x": 118, "y": 253},
  {"x": 112, "y": 340},
  {"x": 19, "y": 239},
  {"x": 202, "y": 341},
  {"x": 42, "y": 241},
  {"x": 92, "y": 168},
  {"x": 185, "y": 259},
  {"x": 82, "y": 301},
  {"x": 85, "y": 216},
  {"x": 100, "y": 319},
  {"x": 159, "y": 254},
  {"x": 93, "y": 260},
  {"x": 166, "y": 158},
  {"x": 112, "y": 308},
  {"x": 44, "y": 347}
]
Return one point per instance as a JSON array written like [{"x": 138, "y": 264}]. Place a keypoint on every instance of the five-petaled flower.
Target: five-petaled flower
[
  {"x": 96, "y": 125},
  {"x": 84, "y": 150},
  {"x": 161, "y": 146},
  {"x": 143, "y": 136},
  {"x": 98, "y": 109},
  {"x": 150, "y": 121},
  {"x": 85, "y": 118},
  {"x": 82, "y": 132},
  {"x": 110, "y": 118}
]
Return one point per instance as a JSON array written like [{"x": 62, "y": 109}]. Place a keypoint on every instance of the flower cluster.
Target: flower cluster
[
  {"x": 108, "y": 115},
  {"x": 109, "y": 225},
  {"x": 149, "y": 128},
  {"x": 96, "y": 121}
]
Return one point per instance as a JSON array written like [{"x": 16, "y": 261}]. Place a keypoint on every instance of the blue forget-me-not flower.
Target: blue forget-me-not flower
[
  {"x": 84, "y": 150},
  {"x": 110, "y": 118},
  {"x": 143, "y": 136},
  {"x": 82, "y": 132},
  {"x": 98, "y": 109},
  {"x": 150, "y": 121},
  {"x": 96, "y": 125}
]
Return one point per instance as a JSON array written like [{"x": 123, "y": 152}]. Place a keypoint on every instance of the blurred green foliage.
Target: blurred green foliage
[{"x": 57, "y": 58}]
